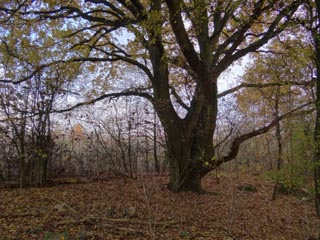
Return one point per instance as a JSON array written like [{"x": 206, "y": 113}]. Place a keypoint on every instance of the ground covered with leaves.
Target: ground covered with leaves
[{"x": 236, "y": 208}]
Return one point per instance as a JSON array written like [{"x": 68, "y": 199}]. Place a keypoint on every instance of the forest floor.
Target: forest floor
[{"x": 145, "y": 209}]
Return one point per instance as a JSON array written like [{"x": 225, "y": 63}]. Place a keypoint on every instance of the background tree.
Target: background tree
[
  {"x": 315, "y": 30},
  {"x": 29, "y": 91},
  {"x": 311, "y": 22},
  {"x": 289, "y": 74}
]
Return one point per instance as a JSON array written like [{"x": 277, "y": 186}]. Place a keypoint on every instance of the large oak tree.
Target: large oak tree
[{"x": 171, "y": 42}]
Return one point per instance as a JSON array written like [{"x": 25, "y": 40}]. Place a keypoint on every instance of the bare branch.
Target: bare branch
[
  {"x": 113, "y": 58},
  {"x": 182, "y": 37},
  {"x": 129, "y": 92},
  {"x": 235, "y": 145},
  {"x": 276, "y": 27},
  {"x": 32, "y": 74},
  {"x": 265, "y": 85},
  {"x": 178, "y": 98}
]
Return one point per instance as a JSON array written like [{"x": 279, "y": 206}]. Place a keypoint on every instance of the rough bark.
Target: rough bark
[
  {"x": 195, "y": 156},
  {"x": 188, "y": 166}
]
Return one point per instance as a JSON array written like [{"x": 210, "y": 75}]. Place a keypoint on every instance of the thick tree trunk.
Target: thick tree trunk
[
  {"x": 185, "y": 177},
  {"x": 190, "y": 165},
  {"x": 189, "y": 140},
  {"x": 192, "y": 156}
]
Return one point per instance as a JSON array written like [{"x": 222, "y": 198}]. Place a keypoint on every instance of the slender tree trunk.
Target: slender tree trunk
[
  {"x": 41, "y": 158},
  {"x": 155, "y": 153},
  {"x": 279, "y": 141},
  {"x": 146, "y": 155},
  {"x": 22, "y": 171},
  {"x": 22, "y": 163},
  {"x": 316, "y": 160},
  {"x": 129, "y": 150},
  {"x": 317, "y": 139}
]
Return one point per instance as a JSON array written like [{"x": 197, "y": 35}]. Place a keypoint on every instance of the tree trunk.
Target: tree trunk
[
  {"x": 22, "y": 176},
  {"x": 317, "y": 149},
  {"x": 316, "y": 36},
  {"x": 22, "y": 161},
  {"x": 155, "y": 153},
  {"x": 192, "y": 156},
  {"x": 189, "y": 139},
  {"x": 42, "y": 146},
  {"x": 279, "y": 142},
  {"x": 185, "y": 177},
  {"x": 188, "y": 167},
  {"x": 43, "y": 171}
]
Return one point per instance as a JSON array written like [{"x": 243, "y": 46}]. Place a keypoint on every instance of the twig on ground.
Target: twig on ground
[
  {"x": 63, "y": 203},
  {"x": 116, "y": 220}
]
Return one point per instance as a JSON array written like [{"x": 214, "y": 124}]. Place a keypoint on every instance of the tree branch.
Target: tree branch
[
  {"x": 274, "y": 29},
  {"x": 115, "y": 58},
  {"x": 264, "y": 85},
  {"x": 129, "y": 92},
  {"x": 235, "y": 145},
  {"x": 182, "y": 37},
  {"x": 33, "y": 73},
  {"x": 178, "y": 98},
  {"x": 108, "y": 4}
]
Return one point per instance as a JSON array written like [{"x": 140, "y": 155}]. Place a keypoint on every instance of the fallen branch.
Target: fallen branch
[
  {"x": 63, "y": 203},
  {"x": 17, "y": 215},
  {"x": 124, "y": 229},
  {"x": 89, "y": 220},
  {"x": 116, "y": 220}
]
